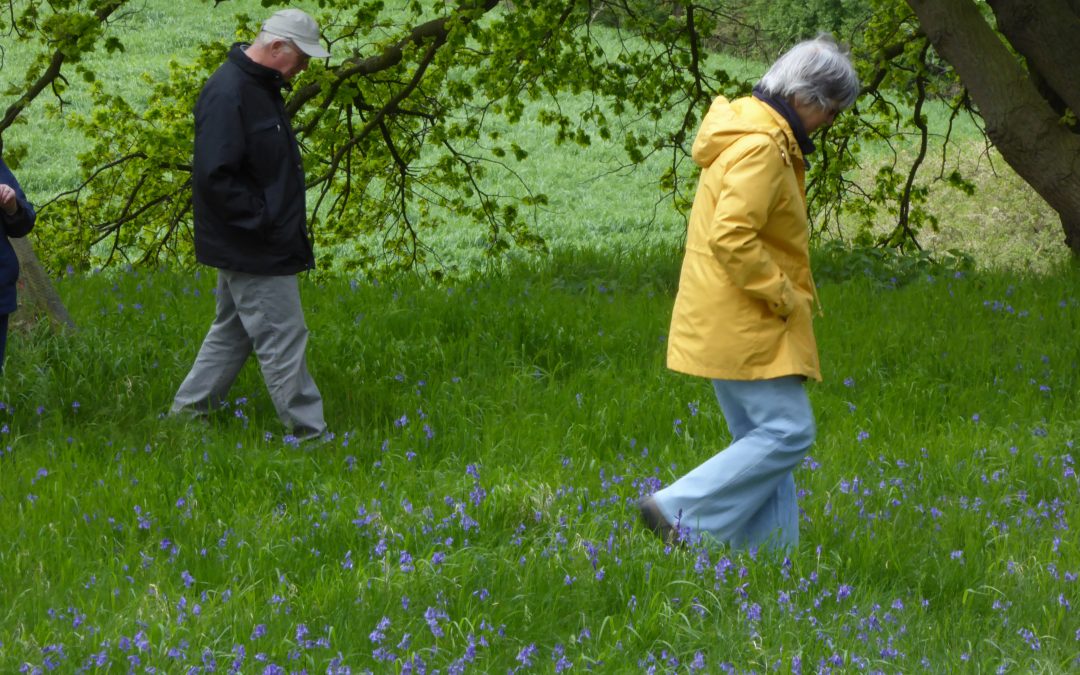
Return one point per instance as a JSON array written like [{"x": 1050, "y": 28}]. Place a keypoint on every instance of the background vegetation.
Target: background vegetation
[
  {"x": 1002, "y": 222},
  {"x": 474, "y": 510}
]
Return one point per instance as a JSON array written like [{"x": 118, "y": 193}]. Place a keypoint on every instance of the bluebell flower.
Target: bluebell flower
[
  {"x": 524, "y": 656},
  {"x": 433, "y": 616},
  {"x": 379, "y": 634}
]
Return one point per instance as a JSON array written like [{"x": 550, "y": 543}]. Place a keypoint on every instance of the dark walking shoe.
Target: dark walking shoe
[{"x": 655, "y": 521}]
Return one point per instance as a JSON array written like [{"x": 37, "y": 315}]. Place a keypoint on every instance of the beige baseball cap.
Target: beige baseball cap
[{"x": 298, "y": 26}]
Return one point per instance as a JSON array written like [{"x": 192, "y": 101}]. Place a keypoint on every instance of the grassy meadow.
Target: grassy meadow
[{"x": 474, "y": 507}]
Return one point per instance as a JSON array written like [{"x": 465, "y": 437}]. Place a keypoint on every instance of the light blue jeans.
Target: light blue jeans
[{"x": 744, "y": 496}]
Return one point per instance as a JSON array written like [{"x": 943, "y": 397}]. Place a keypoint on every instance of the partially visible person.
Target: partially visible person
[
  {"x": 17, "y": 218},
  {"x": 743, "y": 313},
  {"x": 251, "y": 224}
]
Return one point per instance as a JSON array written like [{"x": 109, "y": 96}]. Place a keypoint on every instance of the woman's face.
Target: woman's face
[{"x": 814, "y": 116}]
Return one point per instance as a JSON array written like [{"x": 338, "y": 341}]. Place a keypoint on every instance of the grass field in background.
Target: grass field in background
[
  {"x": 474, "y": 511},
  {"x": 1003, "y": 225}
]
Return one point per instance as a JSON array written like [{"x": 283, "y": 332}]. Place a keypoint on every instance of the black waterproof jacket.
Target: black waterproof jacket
[{"x": 248, "y": 179}]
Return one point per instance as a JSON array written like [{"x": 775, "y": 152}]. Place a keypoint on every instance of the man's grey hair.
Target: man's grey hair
[
  {"x": 264, "y": 38},
  {"x": 816, "y": 71}
]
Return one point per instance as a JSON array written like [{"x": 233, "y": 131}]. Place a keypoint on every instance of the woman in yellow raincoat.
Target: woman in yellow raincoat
[{"x": 743, "y": 316}]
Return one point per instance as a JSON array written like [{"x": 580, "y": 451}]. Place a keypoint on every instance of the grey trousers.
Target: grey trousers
[{"x": 260, "y": 313}]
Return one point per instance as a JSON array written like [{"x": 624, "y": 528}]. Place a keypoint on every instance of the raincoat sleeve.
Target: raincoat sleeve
[{"x": 749, "y": 185}]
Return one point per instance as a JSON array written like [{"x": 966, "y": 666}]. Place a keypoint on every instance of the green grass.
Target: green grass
[{"x": 491, "y": 437}]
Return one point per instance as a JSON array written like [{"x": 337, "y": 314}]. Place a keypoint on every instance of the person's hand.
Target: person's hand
[{"x": 8, "y": 201}]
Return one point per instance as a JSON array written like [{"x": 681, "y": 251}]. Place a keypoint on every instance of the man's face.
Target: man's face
[{"x": 288, "y": 59}]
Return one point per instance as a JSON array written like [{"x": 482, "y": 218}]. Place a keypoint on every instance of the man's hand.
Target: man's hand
[{"x": 8, "y": 201}]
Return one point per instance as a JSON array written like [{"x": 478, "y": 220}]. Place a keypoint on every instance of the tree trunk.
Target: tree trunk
[
  {"x": 1072, "y": 235},
  {"x": 1045, "y": 34},
  {"x": 37, "y": 295},
  {"x": 1020, "y": 122}
]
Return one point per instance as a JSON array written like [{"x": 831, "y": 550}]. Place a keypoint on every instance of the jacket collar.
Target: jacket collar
[
  {"x": 268, "y": 77},
  {"x": 792, "y": 118}
]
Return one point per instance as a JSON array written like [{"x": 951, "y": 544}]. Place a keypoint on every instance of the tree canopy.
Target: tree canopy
[{"x": 401, "y": 130}]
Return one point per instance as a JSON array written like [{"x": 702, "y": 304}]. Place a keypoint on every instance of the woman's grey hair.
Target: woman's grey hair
[{"x": 816, "y": 71}]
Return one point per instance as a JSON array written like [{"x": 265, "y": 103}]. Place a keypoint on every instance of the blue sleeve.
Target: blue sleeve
[{"x": 19, "y": 224}]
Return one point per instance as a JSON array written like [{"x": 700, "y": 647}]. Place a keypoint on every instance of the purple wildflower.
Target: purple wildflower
[
  {"x": 379, "y": 634},
  {"x": 524, "y": 657},
  {"x": 433, "y": 616}
]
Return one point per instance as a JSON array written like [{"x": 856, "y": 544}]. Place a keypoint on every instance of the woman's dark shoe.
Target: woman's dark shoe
[{"x": 655, "y": 521}]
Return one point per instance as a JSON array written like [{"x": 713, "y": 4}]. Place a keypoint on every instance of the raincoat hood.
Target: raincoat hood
[{"x": 728, "y": 121}]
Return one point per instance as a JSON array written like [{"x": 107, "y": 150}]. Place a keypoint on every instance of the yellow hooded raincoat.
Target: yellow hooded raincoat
[{"x": 745, "y": 301}]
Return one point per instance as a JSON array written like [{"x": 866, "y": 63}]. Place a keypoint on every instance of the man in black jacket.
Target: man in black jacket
[{"x": 251, "y": 224}]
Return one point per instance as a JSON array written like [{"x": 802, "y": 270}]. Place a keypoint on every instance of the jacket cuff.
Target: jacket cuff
[
  {"x": 786, "y": 304},
  {"x": 20, "y": 223}
]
